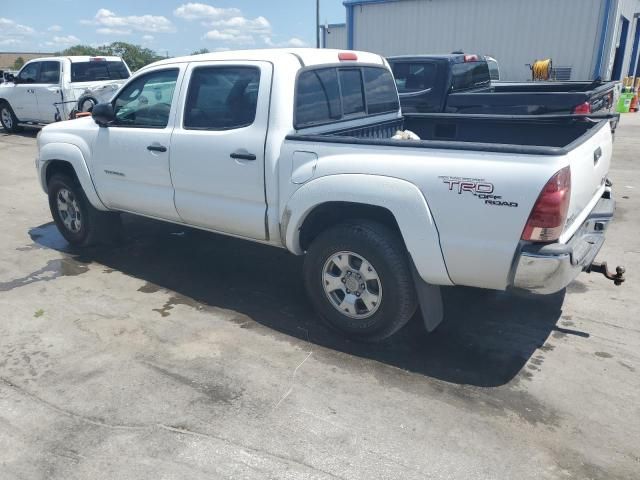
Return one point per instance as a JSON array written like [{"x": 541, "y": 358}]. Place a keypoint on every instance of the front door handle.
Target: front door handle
[
  {"x": 242, "y": 154},
  {"x": 157, "y": 148}
]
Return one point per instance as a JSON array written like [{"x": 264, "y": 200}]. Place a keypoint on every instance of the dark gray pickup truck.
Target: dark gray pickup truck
[{"x": 459, "y": 83}]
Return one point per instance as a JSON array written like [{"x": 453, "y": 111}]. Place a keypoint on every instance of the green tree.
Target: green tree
[
  {"x": 17, "y": 65},
  {"x": 201, "y": 51},
  {"x": 80, "y": 50},
  {"x": 135, "y": 56}
]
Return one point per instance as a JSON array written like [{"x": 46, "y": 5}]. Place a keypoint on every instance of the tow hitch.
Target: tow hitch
[{"x": 617, "y": 279}]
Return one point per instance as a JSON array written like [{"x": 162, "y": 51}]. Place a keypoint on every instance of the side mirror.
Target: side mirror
[
  {"x": 10, "y": 77},
  {"x": 103, "y": 114}
]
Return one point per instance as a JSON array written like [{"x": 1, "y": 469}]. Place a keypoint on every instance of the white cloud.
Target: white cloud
[
  {"x": 54, "y": 28},
  {"x": 147, "y": 38},
  {"x": 59, "y": 41},
  {"x": 259, "y": 25},
  {"x": 9, "y": 27},
  {"x": 296, "y": 42},
  {"x": 109, "y": 22},
  {"x": 113, "y": 31},
  {"x": 230, "y": 36},
  {"x": 292, "y": 42},
  {"x": 13, "y": 33},
  {"x": 9, "y": 41},
  {"x": 226, "y": 25},
  {"x": 202, "y": 11}
]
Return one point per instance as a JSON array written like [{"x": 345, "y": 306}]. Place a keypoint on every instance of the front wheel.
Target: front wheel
[
  {"x": 358, "y": 277},
  {"x": 8, "y": 118},
  {"x": 77, "y": 220}
]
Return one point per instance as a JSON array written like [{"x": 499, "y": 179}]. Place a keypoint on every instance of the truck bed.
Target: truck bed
[{"x": 522, "y": 134}]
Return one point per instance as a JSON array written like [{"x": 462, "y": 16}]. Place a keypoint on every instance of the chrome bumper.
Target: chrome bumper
[{"x": 548, "y": 268}]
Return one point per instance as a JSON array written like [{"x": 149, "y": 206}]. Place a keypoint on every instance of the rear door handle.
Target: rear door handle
[
  {"x": 157, "y": 148},
  {"x": 242, "y": 154}
]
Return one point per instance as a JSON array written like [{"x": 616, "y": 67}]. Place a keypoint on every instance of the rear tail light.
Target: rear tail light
[
  {"x": 97, "y": 59},
  {"x": 582, "y": 109},
  {"x": 346, "y": 56},
  {"x": 471, "y": 58},
  {"x": 549, "y": 214}
]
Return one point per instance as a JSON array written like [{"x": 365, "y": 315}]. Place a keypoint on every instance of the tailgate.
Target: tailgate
[
  {"x": 601, "y": 99},
  {"x": 589, "y": 164}
]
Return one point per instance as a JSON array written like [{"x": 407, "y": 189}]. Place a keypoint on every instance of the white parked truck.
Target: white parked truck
[
  {"x": 51, "y": 89},
  {"x": 293, "y": 148}
]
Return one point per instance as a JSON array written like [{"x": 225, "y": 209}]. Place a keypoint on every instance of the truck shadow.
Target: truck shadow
[
  {"x": 27, "y": 132},
  {"x": 486, "y": 339}
]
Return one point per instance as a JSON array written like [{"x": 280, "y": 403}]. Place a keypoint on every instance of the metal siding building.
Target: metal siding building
[
  {"x": 334, "y": 36},
  {"x": 581, "y": 34}
]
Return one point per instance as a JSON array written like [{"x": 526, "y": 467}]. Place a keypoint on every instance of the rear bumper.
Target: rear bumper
[{"x": 548, "y": 268}]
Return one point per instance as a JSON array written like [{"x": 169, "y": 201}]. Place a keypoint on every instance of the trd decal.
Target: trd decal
[{"x": 478, "y": 187}]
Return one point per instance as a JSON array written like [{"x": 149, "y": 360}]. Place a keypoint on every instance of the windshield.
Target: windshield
[
  {"x": 470, "y": 75},
  {"x": 94, "y": 70}
]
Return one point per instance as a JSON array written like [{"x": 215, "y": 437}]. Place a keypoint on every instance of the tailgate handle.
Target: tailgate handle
[{"x": 596, "y": 155}]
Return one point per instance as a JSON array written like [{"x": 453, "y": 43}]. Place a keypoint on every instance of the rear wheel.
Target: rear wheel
[
  {"x": 77, "y": 220},
  {"x": 359, "y": 279},
  {"x": 8, "y": 118}
]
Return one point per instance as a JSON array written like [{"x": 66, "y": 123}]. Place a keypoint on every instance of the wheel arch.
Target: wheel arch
[
  {"x": 67, "y": 159},
  {"x": 396, "y": 203}
]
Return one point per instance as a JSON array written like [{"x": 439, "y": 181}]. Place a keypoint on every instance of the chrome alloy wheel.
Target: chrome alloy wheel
[
  {"x": 352, "y": 285},
  {"x": 7, "y": 118},
  {"x": 69, "y": 210}
]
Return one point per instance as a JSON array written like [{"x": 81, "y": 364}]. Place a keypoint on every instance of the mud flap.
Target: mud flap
[{"x": 430, "y": 300}]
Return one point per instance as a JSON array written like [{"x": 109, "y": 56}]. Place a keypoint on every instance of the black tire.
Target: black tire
[
  {"x": 5, "y": 109},
  {"x": 386, "y": 253},
  {"x": 95, "y": 226}
]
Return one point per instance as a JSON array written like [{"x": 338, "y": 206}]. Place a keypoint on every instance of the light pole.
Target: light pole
[{"x": 317, "y": 23}]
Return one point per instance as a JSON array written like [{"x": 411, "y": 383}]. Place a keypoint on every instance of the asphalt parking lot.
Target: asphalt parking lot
[{"x": 180, "y": 354}]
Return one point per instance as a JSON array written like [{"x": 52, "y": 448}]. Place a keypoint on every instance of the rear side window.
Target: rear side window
[
  {"x": 470, "y": 75},
  {"x": 95, "y": 70},
  {"x": 414, "y": 77},
  {"x": 318, "y": 97},
  {"x": 330, "y": 94},
  {"x": 221, "y": 98},
  {"x": 381, "y": 96},
  {"x": 50, "y": 72}
]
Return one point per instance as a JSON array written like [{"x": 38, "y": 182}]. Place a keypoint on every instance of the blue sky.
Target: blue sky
[{"x": 175, "y": 26}]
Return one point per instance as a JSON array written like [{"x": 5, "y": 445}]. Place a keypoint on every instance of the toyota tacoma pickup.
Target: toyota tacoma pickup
[
  {"x": 51, "y": 89},
  {"x": 293, "y": 148},
  {"x": 461, "y": 83}
]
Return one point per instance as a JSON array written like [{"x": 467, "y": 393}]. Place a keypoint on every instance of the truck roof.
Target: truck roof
[
  {"x": 447, "y": 57},
  {"x": 77, "y": 58},
  {"x": 307, "y": 56}
]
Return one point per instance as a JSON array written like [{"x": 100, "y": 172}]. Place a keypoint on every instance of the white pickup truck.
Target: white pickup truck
[
  {"x": 293, "y": 148},
  {"x": 51, "y": 89}
]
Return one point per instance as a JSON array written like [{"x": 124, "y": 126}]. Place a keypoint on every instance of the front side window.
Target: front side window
[
  {"x": 222, "y": 98},
  {"x": 29, "y": 74},
  {"x": 50, "y": 72},
  {"x": 146, "y": 101},
  {"x": 414, "y": 77}
]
